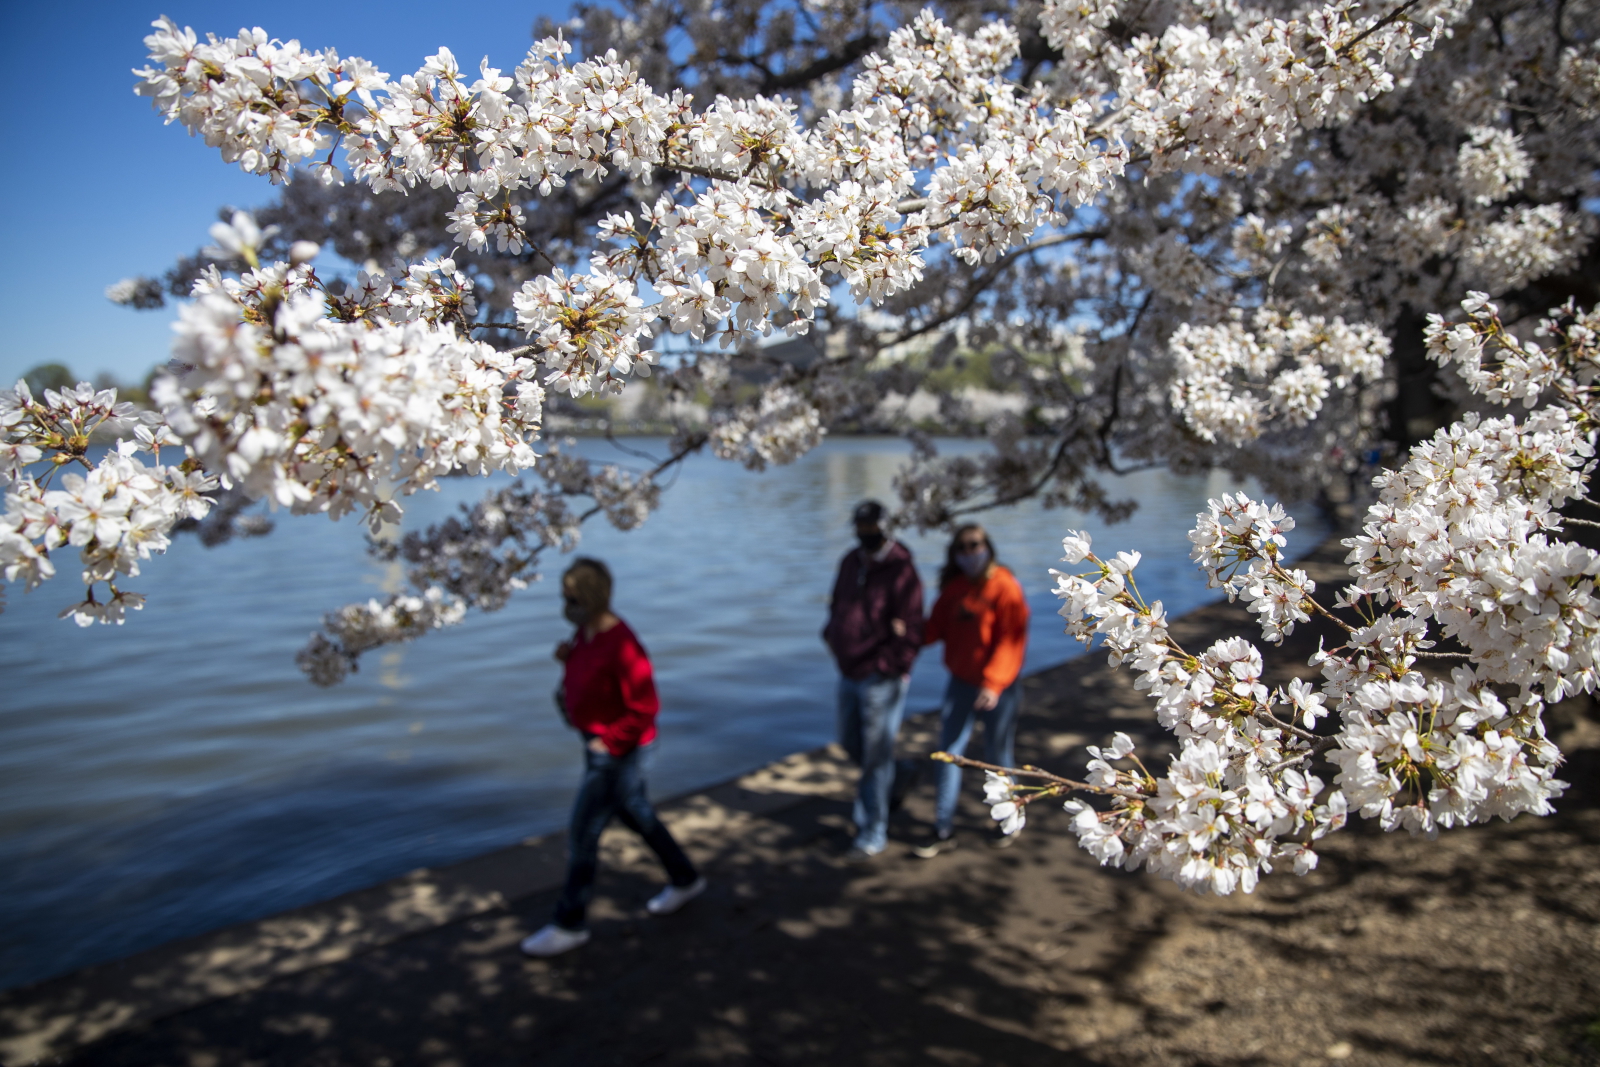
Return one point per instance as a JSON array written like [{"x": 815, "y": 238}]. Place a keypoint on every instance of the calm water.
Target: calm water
[{"x": 177, "y": 774}]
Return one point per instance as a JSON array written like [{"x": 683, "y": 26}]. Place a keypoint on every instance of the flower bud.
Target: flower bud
[{"x": 303, "y": 252}]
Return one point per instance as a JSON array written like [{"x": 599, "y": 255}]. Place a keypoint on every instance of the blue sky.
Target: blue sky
[{"x": 96, "y": 189}]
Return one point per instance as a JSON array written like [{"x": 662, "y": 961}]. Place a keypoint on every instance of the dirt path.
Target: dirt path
[{"x": 1481, "y": 948}]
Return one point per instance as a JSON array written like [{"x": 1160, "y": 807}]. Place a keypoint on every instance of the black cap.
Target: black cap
[{"x": 868, "y": 513}]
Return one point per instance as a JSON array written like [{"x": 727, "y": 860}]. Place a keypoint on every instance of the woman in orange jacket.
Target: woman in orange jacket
[{"x": 982, "y": 618}]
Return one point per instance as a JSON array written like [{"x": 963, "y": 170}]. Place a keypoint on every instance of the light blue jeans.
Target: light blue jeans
[
  {"x": 870, "y": 711},
  {"x": 956, "y": 718}
]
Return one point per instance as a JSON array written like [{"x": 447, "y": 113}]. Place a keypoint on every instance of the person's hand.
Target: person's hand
[
  {"x": 563, "y": 650},
  {"x": 598, "y": 747},
  {"x": 898, "y": 626},
  {"x": 986, "y": 700}
]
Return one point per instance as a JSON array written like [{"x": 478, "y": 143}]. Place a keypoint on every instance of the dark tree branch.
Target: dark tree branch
[
  {"x": 981, "y": 284},
  {"x": 853, "y": 50},
  {"x": 1023, "y": 494}
]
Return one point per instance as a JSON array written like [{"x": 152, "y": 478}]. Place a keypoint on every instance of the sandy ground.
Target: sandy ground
[{"x": 1480, "y": 948}]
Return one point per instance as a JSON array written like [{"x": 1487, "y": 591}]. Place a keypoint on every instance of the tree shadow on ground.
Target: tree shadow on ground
[{"x": 793, "y": 956}]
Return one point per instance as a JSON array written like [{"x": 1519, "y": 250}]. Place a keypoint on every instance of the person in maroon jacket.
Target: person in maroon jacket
[
  {"x": 608, "y": 694},
  {"x": 874, "y": 631}
]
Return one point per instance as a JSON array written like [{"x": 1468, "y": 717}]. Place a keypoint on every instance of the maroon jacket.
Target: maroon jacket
[{"x": 867, "y": 595}]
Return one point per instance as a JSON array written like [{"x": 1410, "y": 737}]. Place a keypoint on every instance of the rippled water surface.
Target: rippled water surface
[{"x": 178, "y": 774}]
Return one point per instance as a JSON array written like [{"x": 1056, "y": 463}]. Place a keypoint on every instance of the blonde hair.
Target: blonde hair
[{"x": 589, "y": 581}]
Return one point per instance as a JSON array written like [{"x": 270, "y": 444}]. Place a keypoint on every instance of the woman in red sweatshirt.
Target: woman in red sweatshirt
[
  {"x": 982, "y": 618},
  {"x": 608, "y": 694}
]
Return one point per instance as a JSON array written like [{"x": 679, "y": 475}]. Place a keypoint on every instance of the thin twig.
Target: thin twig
[
  {"x": 1290, "y": 762},
  {"x": 1324, "y": 612},
  {"x": 1024, "y": 494},
  {"x": 612, "y": 437},
  {"x": 690, "y": 447},
  {"x": 984, "y": 281},
  {"x": 1376, "y": 26},
  {"x": 1035, "y": 772},
  {"x": 717, "y": 175},
  {"x": 1304, "y": 735}
]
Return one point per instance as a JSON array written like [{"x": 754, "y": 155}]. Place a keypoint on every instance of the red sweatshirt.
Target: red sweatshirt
[
  {"x": 610, "y": 689},
  {"x": 984, "y": 627}
]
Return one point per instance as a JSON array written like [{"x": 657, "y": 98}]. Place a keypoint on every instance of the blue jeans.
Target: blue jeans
[
  {"x": 955, "y": 730},
  {"x": 612, "y": 785},
  {"x": 869, "y": 724}
]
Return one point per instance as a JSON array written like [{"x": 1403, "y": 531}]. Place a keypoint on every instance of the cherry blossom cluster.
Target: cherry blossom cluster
[
  {"x": 785, "y": 204},
  {"x": 358, "y": 628},
  {"x": 317, "y": 398},
  {"x": 1462, "y": 546},
  {"x": 589, "y": 326},
  {"x": 1230, "y": 381},
  {"x": 340, "y": 404},
  {"x": 1274, "y": 74},
  {"x": 478, "y": 558},
  {"x": 1563, "y": 368},
  {"x": 1466, "y": 535},
  {"x": 75, "y": 478},
  {"x": 1492, "y": 164},
  {"x": 1005, "y": 804},
  {"x": 1238, "y": 798},
  {"x": 936, "y": 142},
  {"x": 260, "y": 102},
  {"x": 779, "y": 428},
  {"x": 1359, "y": 164},
  {"x": 721, "y": 260},
  {"x": 1239, "y": 544}
]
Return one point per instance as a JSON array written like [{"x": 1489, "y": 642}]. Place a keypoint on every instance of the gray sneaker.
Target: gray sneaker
[
  {"x": 674, "y": 897},
  {"x": 553, "y": 940},
  {"x": 932, "y": 846}
]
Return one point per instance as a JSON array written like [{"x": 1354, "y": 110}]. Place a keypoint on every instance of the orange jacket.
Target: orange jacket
[{"x": 984, "y": 627}]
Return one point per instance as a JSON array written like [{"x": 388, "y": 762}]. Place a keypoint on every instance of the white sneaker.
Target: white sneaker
[
  {"x": 674, "y": 897},
  {"x": 552, "y": 940}
]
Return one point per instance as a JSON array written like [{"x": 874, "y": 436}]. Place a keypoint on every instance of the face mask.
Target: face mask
[
  {"x": 871, "y": 541},
  {"x": 575, "y": 613},
  {"x": 973, "y": 563}
]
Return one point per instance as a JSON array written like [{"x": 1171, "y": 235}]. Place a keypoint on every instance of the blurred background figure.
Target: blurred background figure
[
  {"x": 608, "y": 694},
  {"x": 874, "y": 631},
  {"x": 982, "y": 618}
]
